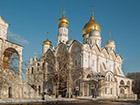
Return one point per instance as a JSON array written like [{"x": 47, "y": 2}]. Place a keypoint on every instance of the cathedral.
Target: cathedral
[
  {"x": 70, "y": 69},
  {"x": 102, "y": 68}
]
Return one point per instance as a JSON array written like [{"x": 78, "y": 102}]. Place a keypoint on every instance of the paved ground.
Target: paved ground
[{"x": 83, "y": 102}]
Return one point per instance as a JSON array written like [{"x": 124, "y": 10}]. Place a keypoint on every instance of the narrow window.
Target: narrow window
[
  {"x": 105, "y": 90},
  {"x": 111, "y": 91},
  {"x": 39, "y": 89},
  {"x": 32, "y": 70},
  {"x": 75, "y": 62},
  {"x": 108, "y": 77}
]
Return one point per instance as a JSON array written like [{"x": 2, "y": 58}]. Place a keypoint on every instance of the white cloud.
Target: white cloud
[{"x": 16, "y": 38}]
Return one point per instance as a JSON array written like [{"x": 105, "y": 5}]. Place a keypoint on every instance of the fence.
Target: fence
[{"x": 128, "y": 96}]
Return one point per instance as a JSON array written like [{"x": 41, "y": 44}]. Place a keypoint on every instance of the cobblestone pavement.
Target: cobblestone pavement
[{"x": 83, "y": 102}]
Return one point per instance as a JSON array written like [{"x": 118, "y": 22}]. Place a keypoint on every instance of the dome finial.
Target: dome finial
[
  {"x": 47, "y": 35},
  {"x": 92, "y": 17},
  {"x": 47, "y": 41},
  {"x": 71, "y": 35},
  {"x": 63, "y": 11},
  {"x": 110, "y": 35}
]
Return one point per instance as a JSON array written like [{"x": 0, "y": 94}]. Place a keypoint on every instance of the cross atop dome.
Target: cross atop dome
[
  {"x": 92, "y": 17},
  {"x": 63, "y": 11},
  {"x": 91, "y": 25},
  {"x": 47, "y": 42},
  {"x": 110, "y": 35}
]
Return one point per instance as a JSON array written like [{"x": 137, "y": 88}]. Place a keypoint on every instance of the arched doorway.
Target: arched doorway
[
  {"x": 121, "y": 91},
  {"x": 10, "y": 92},
  {"x": 122, "y": 87},
  {"x": 11, "y": 60}
]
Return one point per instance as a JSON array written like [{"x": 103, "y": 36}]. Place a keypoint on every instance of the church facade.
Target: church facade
[{"x": 102, "y": 67}]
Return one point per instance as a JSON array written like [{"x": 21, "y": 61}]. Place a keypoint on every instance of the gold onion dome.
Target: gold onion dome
[
  {"x": 47, "y": 42},
  {"x": 63, "y": 20},
  {"x": 91, "y": 25}
]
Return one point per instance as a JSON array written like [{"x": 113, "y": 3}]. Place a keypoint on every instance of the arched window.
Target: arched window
[
  {"x": 122, "y": 82},
  {"x": 88, "y": 76},
  {"x": 108, "y": 77},
  {"x": 39, "y": 89},
  {"x": 75, "y": 62},
  {"x": 10, "y": 92},
  {"x": 105, "y": 90},
  {"x": 32, "y": 70},
  {"x": 111, "y": 91}
]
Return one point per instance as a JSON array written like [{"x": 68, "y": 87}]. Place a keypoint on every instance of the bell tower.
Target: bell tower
[
  {"x": 3, "y": 29},
  {"x": 63, "y": 29}
]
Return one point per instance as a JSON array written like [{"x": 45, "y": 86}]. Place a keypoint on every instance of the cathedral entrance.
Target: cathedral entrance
[
  {"x": 122, "y": 87},
  {"x": 10, "y": 92},
  {"x": 62, "y": 87}
]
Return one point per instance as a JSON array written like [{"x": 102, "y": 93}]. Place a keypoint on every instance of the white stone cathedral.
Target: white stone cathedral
[{"x": 102, "y": 65}]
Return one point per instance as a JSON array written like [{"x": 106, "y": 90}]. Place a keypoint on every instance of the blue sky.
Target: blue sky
[{"x": 32, "y": 19}]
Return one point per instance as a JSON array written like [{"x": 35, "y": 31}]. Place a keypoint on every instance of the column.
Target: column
[
  {"x": 83, "y": 86},
  {"x": 20, "y": 67}
]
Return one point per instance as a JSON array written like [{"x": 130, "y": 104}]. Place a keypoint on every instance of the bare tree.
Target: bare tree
[
  {"x": 62, "y": 72},
  {"x": 14, "y": 63},
  {"x": 136, "y": 82}
]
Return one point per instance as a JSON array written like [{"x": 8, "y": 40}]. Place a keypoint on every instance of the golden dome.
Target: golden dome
[
  {"x": 91, "y": 25},
  {"x": 63, "y": 20},
  {"x": 47, "y": 42}
]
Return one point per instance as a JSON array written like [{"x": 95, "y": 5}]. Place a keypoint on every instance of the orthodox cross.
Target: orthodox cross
[
  {"x": 47, "y": 35},
  {"x": 71, "y": 35},
  {"x": 63, "y": 10},
  {"x": 110, "y": 35}
]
